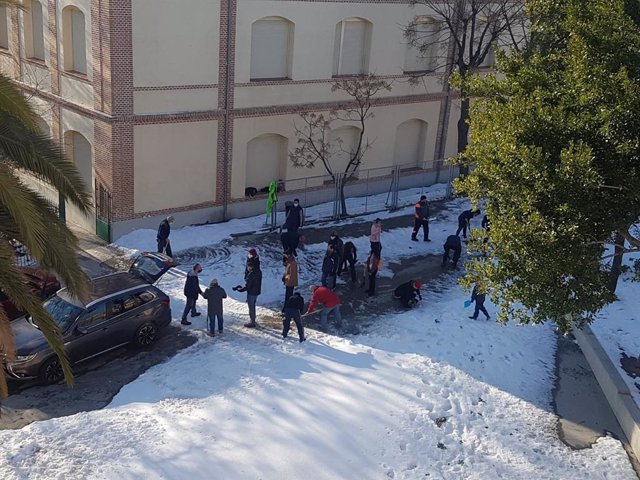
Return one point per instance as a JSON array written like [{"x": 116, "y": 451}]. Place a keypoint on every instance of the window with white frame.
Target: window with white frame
[
  {"x": 426, "y": 53},
  {"x": 352, "y": 47},
  {"x": 4, "y": 27},
  {"x": 34, "y": 29},
  {"x": 74, "y": 40},
  {"x": 483, "y": 37},
  {"x": 271, "y": 48}
]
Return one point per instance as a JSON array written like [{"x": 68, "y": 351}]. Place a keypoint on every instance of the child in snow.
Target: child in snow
[
  {"x": 214, "y": 295},
  {"x": 479, "y": 298}
]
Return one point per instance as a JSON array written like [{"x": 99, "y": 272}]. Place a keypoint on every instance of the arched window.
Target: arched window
[
  {"x": 78, "y": 150},
  {"x": 4, "y": 27},
  {"x": 344, "y": 141},
  {"x": 425, "y": 56},
  {"x": 352, "y": 46},
  {"x": 74, "y": 40},
  {"x": 266, "y": 160},
  {"x": 271, "y": 48},
  {"x": 34, "y": 29},
  {"x": 410, "y": 141}
]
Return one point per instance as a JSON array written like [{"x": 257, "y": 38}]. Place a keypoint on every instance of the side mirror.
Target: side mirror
[{"x": 82, "y": 330}]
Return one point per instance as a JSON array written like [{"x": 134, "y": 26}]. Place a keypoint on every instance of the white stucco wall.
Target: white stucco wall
[
  {"x": 380, "y": 130},
  {"x": 175, "y": 42},
  {"x": 174, "y": 165},
  {"x": 315, "y": 26}
]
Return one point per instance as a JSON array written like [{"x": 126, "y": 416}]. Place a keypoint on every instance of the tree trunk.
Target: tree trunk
[
  {"x": 343, "y": 200},
  {"x": 616, "y": 266},
  {"x": 463, "y": 130}
]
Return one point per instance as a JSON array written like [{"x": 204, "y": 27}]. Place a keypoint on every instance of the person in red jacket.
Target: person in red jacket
[{"x": 330, "y": 302}]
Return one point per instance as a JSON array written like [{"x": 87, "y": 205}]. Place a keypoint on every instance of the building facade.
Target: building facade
[{"x": 179, "y": 107}]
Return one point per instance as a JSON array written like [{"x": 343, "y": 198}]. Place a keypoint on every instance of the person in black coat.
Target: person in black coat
[
  {"x": 214, "y": 295},
  {"x": 295, "y": 217},
  {"x": 479, "y": 299},
  {"x": 407, "y": 293},
  {"x": 338, "y": 246},
  {"x": 464, "y": 221},
  {"x": 350, "y": 256},
  {"x": 253, "y": 287},
  {"x": 191, "y": 291},
  {"x": 253, "y": 260},
  {"x": 292, "y": 310},
  {"x": 290, "y": 241},
  {"x": 329, "y": 268},
  {"x": 454, "y": 244},
  {"x": 164, "y": 230}
]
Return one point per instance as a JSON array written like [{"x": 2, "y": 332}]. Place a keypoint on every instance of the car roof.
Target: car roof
[{"x": 106, "y": 286}]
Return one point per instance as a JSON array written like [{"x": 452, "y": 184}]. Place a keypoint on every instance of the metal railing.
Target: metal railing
[{"x": 367, "y": 191}]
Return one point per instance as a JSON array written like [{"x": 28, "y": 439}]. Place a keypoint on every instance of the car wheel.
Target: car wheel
[
  {"x": 51, "y": 371},
  {"x": 145, "y": 335}
]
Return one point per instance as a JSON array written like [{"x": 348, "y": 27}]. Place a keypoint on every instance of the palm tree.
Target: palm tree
[{"x": 32, "y": 220}]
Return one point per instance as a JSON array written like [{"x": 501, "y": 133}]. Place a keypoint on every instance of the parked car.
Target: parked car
[
  {"x": 43, "y": 284},
  {"x": 122, "y": 308}
]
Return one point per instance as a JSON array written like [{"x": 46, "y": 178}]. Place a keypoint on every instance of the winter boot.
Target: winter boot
[
  {"x": 414, "y": 238},
  {"x": 251, "y": 325},
  {"x": 185, "y": 322}
]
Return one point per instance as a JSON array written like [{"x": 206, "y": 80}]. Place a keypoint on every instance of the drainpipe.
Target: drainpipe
[{"x": 227, "y": 82}]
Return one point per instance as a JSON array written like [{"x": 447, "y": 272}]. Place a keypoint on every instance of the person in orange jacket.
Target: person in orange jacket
[
  {"x": 330, "y": 301},
  {"x": 421, "y": 219}
]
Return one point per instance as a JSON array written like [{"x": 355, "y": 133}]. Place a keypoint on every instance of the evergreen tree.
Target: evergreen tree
[{"x": 555, "y": 140}]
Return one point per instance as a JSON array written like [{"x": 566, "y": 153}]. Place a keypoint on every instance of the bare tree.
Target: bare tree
[
  {"x": 314, "y": 142},
  {"x": 460, "y": 36}
]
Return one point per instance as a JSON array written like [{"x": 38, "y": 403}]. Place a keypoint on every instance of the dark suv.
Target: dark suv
[{"x": 122, "y": 308}]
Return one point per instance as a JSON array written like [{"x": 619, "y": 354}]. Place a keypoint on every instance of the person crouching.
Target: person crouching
[{"x": 407, "y": 293}]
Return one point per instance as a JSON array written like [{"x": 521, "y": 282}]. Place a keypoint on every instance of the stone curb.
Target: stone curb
[{"x": 613, "y": 385}]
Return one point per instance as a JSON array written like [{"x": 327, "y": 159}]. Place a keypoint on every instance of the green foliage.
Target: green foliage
[
  {"x": 32, "y": 220},
  {"x": 556, "y": 148}
]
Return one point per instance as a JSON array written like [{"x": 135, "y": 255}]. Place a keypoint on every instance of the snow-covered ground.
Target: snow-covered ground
[{"x": 422, "y": 394}]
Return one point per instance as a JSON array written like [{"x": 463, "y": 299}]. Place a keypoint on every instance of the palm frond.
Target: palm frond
[
  {"x": 14, "y": 103},
  {"x": 14, "y": 286},
  {"x": 38, "y": 155},
  {"x": 48, "y": 239}
]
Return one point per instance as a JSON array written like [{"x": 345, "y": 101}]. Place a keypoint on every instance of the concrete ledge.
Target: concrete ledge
[{"x": 613, "y": 385}]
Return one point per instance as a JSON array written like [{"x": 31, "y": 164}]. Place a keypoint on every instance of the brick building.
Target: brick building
[{"x": 178, "y": 106}]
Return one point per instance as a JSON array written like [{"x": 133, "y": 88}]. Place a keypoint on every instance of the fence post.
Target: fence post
[
  {"x": 449, "y": 193},
  {"x": 396, "y": 190},
  {"x": 336, "y": 196}
]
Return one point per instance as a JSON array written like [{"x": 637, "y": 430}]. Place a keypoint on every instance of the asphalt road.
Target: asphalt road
[{"x": 96, "y": 382}]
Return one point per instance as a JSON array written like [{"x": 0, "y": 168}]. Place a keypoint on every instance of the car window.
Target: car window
[
  {"x": 146, "y": 296},
  {"x": 95, "y": 316},
  {"x": 62, "y": 312},
  {"x": 125, "y": 303},
  {"x": 148, "y": 268}
]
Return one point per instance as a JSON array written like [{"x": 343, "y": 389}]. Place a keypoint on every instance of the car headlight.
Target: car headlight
[{"x": 23, "y": 358}]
